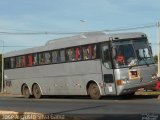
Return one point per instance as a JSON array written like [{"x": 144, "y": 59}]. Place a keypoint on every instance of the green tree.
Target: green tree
[{"x": 156, "y": 59}]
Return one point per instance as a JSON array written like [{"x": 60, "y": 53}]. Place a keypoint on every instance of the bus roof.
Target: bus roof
[{"x": 81, "y": 39}]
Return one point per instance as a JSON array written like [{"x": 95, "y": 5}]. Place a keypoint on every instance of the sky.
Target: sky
[{"x": 29, "y": 16}]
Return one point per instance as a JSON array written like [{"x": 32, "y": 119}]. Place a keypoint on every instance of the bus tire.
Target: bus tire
[
  {"x": 93, "y": 91},
  {"x": 36, "y": 91},
  {"x": 129, "y": 95},
  {"x": 25, "y": 91}
]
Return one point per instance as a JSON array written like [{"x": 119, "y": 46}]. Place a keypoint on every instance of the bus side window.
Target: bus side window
[
  {"x": 90, "y": 52},
  {"x": 18, "y": 62},
  {"x": 35, "y": 59},
  {"x": 78, "y": 54},
  {"x": 29, "y": 60},
  {"x": 47, "y": 57},
  {"x": 55, "y": 56},
  {"x": 86, "y": 52},
  {"x": 94, "y": 51},
  {"x": 7, "y": 63},
  {"x": 67, "y": 55},
  {"x": 12, "y": 60},
  {"x": 62, "y": 56},
  {"x": 41, "y": 58},
  {"x": 23, "y": 61},
  {"x": 70, "y": 53}
]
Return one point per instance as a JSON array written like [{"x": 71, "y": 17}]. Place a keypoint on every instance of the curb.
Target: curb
[
  {"x": 10, "y": 95},
  {"x": 149, "y": 93}
]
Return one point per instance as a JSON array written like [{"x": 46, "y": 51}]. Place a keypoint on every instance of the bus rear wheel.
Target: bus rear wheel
[
  {"x": 25, "y": 91},
  {"x": 94, "y": 92},
  {"x": 36, "y": 91}
]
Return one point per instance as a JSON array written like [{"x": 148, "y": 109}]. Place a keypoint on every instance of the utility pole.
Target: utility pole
[
  {"x": 2, "y": 69},
  {"x": 158, "y": 39}
]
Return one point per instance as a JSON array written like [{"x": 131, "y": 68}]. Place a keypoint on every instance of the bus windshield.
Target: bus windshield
[{"x": 132, "y": 53}]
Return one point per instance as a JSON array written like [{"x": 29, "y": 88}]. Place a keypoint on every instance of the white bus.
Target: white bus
[{"x": 95, "y": 64}]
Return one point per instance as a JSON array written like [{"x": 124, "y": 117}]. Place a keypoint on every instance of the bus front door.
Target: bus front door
[{"x": 107, "y": 71}]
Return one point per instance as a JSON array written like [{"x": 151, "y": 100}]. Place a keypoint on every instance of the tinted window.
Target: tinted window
[
  {"x": 29, "y": 60},
  {"x": 20, "y": 61},
  {"x": 55, "y": 56},
  {"x": 41, "y": 58},
  {"x": 78, "y": 54},
  {"x": 62, "y": 56},
  {"x": 7, "y": 63},
  {"x": 89, "y": 52},
  {"x": 35, "y": 59},
  {"x": 70, "y": 53},
  {"x": 47, "y": 57},
  {"x": 12, "y": 62}
]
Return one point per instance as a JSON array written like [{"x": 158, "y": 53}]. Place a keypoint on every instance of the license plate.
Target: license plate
[{"x": 133, "y": 74}]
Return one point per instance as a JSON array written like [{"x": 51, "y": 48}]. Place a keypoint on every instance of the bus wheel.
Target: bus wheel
[
  {"x": 25, "y": 91},
  {"x": 93, "y": 91},
  {"x": 36, "y": 91}
]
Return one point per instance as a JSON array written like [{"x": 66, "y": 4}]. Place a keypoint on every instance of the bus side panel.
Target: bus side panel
[
  {"x": 70, "y": 78},
  {"x": 13, "y": 86},
  {"x": 75, "y": 85},
  {"x": 57, "y": 79}
]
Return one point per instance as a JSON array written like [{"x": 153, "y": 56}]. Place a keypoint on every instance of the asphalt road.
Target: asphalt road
[{"x": 83, "y": 106}]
